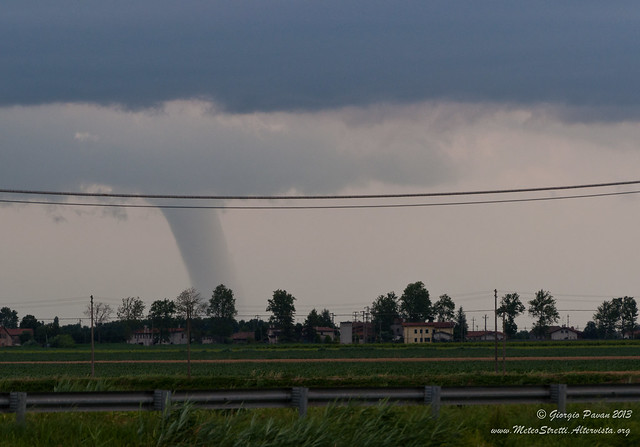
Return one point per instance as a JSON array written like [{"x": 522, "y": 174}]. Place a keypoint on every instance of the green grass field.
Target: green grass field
[
  {"x": 303, "y": 351},
  {"x": 119, "y": 367},
  {"x": 319, "y": 366}
]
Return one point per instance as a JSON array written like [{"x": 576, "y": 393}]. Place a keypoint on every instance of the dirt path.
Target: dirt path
[{"x": 330, "y": 360}]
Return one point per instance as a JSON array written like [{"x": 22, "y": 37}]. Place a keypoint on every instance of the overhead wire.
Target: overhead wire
[
  {"x": 326, "y": 206},
  {"x": 314, "y": 197},
  {"x": 313, "y": 207}
]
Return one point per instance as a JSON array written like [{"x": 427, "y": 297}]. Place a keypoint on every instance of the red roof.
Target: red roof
[
  {"x": 472, "y": 334},
  {"x": 243, "y": 335},
  {"x": 18, "y": 331}
]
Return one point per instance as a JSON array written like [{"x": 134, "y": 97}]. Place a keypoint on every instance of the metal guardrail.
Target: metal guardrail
[{"x": 301, "y": 398}]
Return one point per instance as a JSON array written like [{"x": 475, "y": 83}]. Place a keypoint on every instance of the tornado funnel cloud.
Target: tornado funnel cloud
[{"x": 201, "y": 241}]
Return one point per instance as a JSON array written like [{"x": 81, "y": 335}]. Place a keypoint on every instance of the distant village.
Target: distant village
[{"x": 412, "y": 318}]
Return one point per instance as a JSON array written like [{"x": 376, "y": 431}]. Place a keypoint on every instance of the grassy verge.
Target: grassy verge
[
  {"x": 330, "y": 426},
  {"x": 268, "y": 380},
  {"x": 253, "y": 374}
]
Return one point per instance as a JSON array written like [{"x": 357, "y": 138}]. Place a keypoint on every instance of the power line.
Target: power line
[
  {"x": 312, "y": 207},
  {"x": 313, "y": 197}
]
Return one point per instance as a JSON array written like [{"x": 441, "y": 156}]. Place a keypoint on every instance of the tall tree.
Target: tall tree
[
  {"x": 319, "y": 319},
  {"x": 189, "y": 305},
  {"x": 326, "y": 319},
  {"x": 628, "y": 315},
  {"x": 102, "y": 313},
  {"x": 130, "y": 313},
  {"x": 607, "y": 318},
  {"x": 590, "y": 331},
  {"x": 30, "y": 322},
  {"x": 461, "y": 327},
  {"x": 510, "y": 308},
  {"x": 8, "y": 318},
  {"x": 283, "y": 310},
  {"x": 222, "y": 303},
  {"x": 384, "y": 311},
  {"x": 46, "y": 332},
  {"x": 161, "y": 314},
  {"x": 312, "y": 321},
  {"x": 543, "y": 307},
  {"x": 222, "y": 311},
  {"x": 415, "y": 304},
  {"x": 131, "y": 309},
  {"x": 444, "y": 309}
]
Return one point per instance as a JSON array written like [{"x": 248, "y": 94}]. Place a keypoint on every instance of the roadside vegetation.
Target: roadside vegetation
[{"x": 380, "y": 425}]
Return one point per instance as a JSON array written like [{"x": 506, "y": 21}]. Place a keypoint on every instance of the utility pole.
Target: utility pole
[
  {"x": 189, "y": 342},
  {"x": 495, "y": 315},
  {"x": 473, "y": 323},
  {"x": 367, "y": 319},
  {"x": 485, "y": 322},
  {"x": 504, "y": 346},
  {"x": 258, "y": 326},
  {"x": 364, "y": 326},
  {"x": 93, "y": 358}
]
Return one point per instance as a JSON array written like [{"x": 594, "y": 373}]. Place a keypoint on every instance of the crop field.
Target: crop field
[
  {"x": 315, "y": 351},
  {"x": 325, "y": 365},
  {"x": 122, "y": 367}
]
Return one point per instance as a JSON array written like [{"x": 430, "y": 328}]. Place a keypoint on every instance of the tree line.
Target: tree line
[
  {"x": 216, "y": 317},
  {"x": 614, "y": 319}
]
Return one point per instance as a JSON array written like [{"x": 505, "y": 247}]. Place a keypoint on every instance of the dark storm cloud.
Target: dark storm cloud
[
  {"x": 284, "y": 55},
  {"x": 187, "y": 151}
]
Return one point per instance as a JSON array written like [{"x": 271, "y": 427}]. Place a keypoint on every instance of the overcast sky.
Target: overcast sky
[{"x": 319, "y": 97}]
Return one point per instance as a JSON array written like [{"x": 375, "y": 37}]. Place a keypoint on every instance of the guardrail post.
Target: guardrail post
[
  {"x": 18, "y": 405},
  {"x": 432, "y": 397},
  {"x": 300, "y": 399},
  {"x": 161, "y": 400},
  {"x": 559, "y": 396}
]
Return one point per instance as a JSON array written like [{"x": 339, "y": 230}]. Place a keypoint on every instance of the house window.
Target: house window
[
  {"x": 415, "y": 331},
  {"x": 415, "y": 340}
]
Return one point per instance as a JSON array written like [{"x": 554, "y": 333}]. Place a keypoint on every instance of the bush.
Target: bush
[
  {"x": 62, "y": 341},
  {"x": 25, "y": 337}
]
